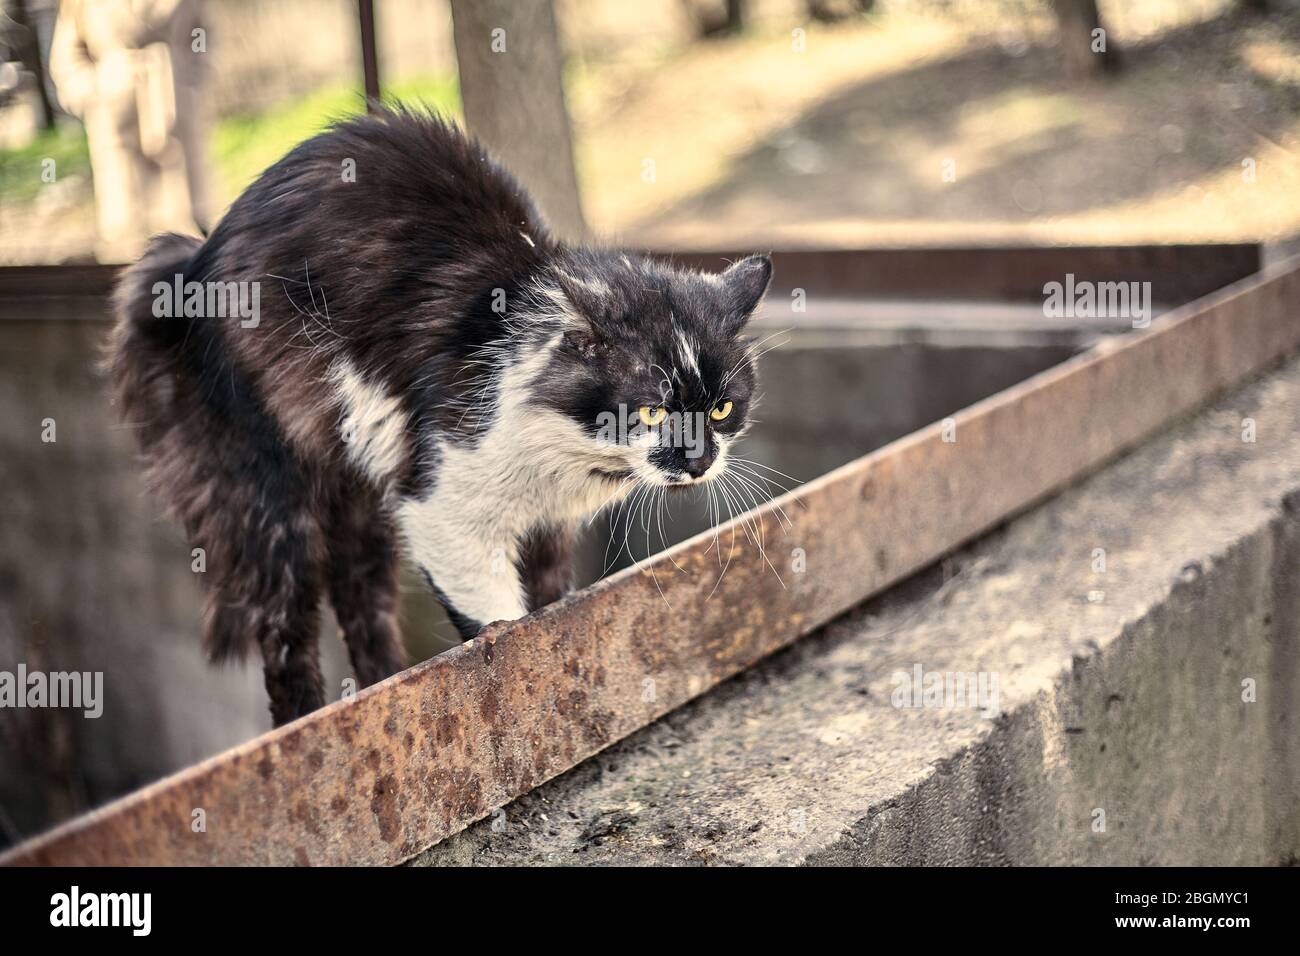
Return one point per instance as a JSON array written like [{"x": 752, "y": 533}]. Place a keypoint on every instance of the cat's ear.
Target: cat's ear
[
  {"x": 588, "y": 298},
  {"x": 744, "y": 284},
  {"x": 583, "y": 301}
]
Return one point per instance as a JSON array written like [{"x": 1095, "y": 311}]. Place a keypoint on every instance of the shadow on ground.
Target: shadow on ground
[{"x": 1026, "y": 143}]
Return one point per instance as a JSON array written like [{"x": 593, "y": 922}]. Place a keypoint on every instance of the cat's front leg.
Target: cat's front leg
[
  {"x": 476, "y": 586},
  {"x": 472, "y": 574},
  {"x": 546, "y": 565}
]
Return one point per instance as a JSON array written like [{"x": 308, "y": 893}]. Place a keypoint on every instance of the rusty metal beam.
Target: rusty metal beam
[
  {"x": 1177, "y": 273},
  {"x": 411, "y": 760},
  {"x": 42, "y": 281}
]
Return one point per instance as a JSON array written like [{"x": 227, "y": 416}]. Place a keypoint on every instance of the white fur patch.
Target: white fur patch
[
  {"x": 555, "y": 307},
  {"x": 687, "y": 351},
  {"x": 533, "y": 466},
  {"x": 593, "y": 287},
  {"x": 373, "y": 424}
]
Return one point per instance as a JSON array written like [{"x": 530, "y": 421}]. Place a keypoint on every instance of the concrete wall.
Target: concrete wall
[
  {"x": 1152, "y": 731},
  {"x": 92, "y": 579}
]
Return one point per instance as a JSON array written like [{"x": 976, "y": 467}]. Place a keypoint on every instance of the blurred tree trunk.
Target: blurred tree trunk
[
  {"x": 369, "y": 55},
  {"x": 735, "y": 15},
  {"x": 833, "y": 11},
  {"x": 1085, "y": 54},
  {"x": 716, "y": 19},
  {"x": 28, "y": 51},
  {"x": 511, "y": 84}
]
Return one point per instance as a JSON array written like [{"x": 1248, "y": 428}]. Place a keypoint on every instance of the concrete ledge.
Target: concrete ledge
[{"x": 1121, "y": 693}]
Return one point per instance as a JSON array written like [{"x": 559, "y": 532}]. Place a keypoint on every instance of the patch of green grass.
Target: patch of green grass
[
  {"x": 239, "y": 148},
  {"x": 21, "y": 169},
  {"x": 243, "y": 146}
]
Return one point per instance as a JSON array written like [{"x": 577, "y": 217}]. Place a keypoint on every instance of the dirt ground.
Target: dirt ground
[{"x": 1197, "y": 139}]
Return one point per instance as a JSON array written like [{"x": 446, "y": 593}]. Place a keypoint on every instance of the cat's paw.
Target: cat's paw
[{"x": 489, "y": 631}]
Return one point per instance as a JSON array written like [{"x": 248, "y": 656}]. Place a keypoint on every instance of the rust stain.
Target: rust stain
[{"x": 383, "y": 804}]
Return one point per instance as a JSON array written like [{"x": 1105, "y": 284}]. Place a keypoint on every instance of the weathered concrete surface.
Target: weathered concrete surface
[{"x": 1121, "y": 692}]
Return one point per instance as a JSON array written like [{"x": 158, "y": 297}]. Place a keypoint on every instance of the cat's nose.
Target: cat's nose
[{"x": 697, "y": 466}]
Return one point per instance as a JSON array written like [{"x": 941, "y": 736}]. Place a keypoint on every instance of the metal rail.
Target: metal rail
[
  {"x": 409, "y": 761},
  {"x": 1178, "y": 274}
]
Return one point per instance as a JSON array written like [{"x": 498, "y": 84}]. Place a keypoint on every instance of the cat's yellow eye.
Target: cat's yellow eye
[
  {"x": 650, "y": 417},
  {"x": 720, "y": 411}
]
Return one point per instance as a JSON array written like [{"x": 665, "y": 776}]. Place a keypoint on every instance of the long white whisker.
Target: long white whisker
[
  {"x": 759, "y": 464},
  {"x": 758, "y": 492},
  {"x": 730, "y": 551},
  {"x": 653, "y": 576},
  {"x": 760, "y": 539},
  {"x": 660, "y": 505},
  {"x": 612, "y": 494},
  {"x": 613, "y": 531}
]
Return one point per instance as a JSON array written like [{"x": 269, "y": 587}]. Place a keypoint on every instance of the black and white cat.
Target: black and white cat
[{"x": 426, "y": 365}]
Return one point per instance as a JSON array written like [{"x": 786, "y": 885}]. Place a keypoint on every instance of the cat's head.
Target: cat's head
[{"x": 653, "y": 363}]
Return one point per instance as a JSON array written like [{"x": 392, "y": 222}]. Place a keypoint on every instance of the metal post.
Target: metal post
[{"x": 369, "y": 53}]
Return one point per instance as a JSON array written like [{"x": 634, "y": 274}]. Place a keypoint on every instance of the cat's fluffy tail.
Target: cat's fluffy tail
[
  {"x": 143, "y": 353},
  {"x": 216, "y": 458},
  {"x": 157, "y": 390}
]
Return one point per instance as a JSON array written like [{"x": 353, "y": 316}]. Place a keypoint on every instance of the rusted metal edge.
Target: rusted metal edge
[
  {"x": 409, "y": 761},
  {"x": 1178, "y": 274},
  {"x": 84, "y": 280}
]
